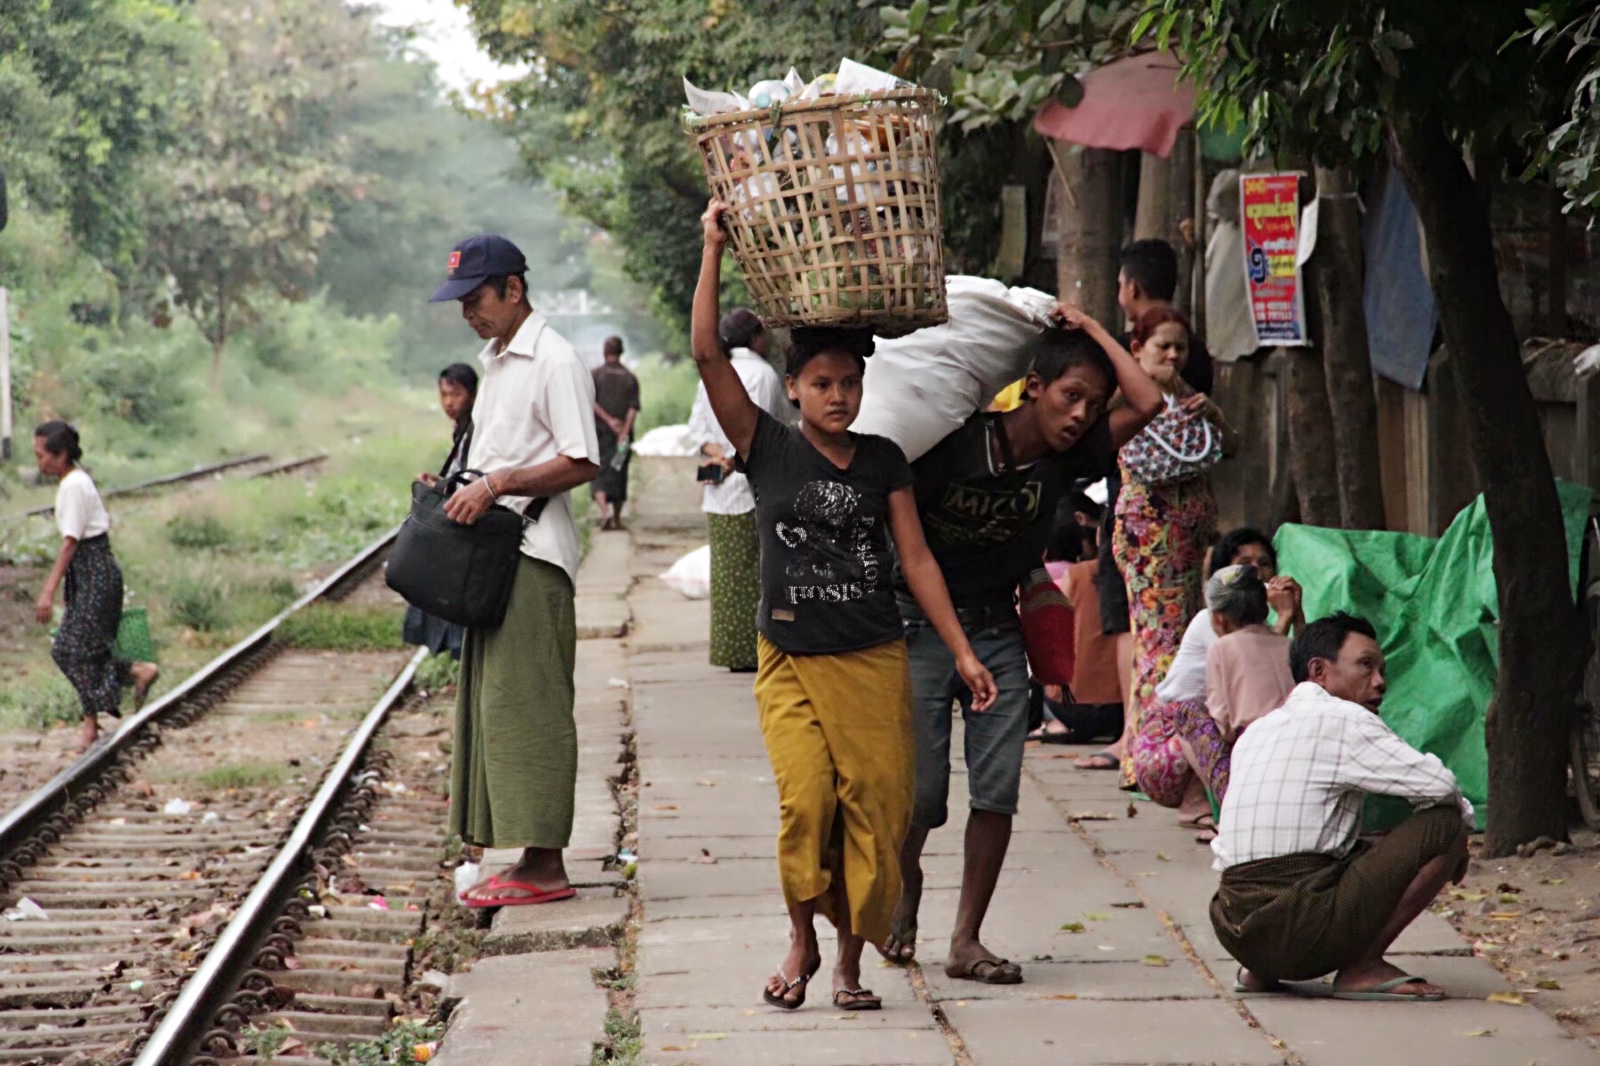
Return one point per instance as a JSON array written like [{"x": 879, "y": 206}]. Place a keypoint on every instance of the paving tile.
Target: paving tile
[
  {"x": 820, "y": 1047},
  {"x": 1336, "y": 1033},
  {"x": 594, "y": 919},
  {"x": 1101, "y": 1033},
  {"x": 540, "y": 1009}
]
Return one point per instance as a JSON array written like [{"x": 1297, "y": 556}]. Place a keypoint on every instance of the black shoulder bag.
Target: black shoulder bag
[{"x": 460, "y": 573}]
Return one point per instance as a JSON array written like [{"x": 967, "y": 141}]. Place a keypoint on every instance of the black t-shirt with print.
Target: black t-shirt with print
[
  {"x": 988, "y": 525},
  {"x": 826, "y": 565}
]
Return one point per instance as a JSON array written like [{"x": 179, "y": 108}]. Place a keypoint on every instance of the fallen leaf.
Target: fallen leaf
[
  {"x": 1509, "y": 897},
  {"x": 1554, "y": 881},
  {"x": 1072, "y": 927},
  {"x": 665, "y": 807},
  {"x": 749, "y": 1013},
  {"x": 1090, "y": 816},
  {"x": 1480, "y": 1032},
  {"x": 671, "y": 1047},
  {"x": 1511, "y": 999},
  {"x": 1105, "y": 947},
  {"x": 1096, "y": 916},
  {"x": 1548, "y": 985},
  {"x": 1504, "y": 916},
  {"x": 1154, "y": 960},
  {"x": 1060, "y": 997},
  {"x": 1162, "y": 856},
  {"x": 706, "y": 857},
  {"x": 1135, "y": 905},
  {"x": 1133, "y": 812},
  {"x": 707, "y": 784},
  {"x": 708, "y": 1036}
]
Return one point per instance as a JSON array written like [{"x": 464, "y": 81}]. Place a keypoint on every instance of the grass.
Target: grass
[
  {"x": 624, "y": 1042},
  {"x": 666, "y": 392},
  {"x": 332, "y": 627},
  {"x": 438, "y": 671},
  {"x": 38, "y": 703},
  {"x": 243, "y": 775}
]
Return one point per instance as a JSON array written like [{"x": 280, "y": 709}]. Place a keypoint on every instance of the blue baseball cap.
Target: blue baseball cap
[{"x": 474, "y": 261}]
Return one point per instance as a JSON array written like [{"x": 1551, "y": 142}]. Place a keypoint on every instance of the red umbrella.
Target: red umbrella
[{"x": 1135, "y": 102}]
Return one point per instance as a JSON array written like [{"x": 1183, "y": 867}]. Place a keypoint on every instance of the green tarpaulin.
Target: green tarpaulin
[{"x": 1433, "y": 603}]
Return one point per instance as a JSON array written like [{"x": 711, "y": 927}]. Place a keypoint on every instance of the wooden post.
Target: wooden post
[{"x": 5, "y": 375}]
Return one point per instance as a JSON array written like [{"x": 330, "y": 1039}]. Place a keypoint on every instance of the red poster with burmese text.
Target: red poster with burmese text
[{"x": 1270, "y": 209}]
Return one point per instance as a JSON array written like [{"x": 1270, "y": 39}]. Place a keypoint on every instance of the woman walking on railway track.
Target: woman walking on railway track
[
  {"x": 85, "y": 644},
  {"x": 832, "y": 687}
]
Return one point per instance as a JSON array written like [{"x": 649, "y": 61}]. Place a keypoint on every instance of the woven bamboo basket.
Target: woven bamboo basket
[{"x": 833, "y": 208}]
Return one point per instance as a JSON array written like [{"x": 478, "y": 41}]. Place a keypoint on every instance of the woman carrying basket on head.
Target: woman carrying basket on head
[
  {"x": 85, "y": 644},
  {"x": 832, "y": 685}
]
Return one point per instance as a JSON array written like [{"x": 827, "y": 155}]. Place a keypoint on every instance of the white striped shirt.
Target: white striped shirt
[{"x": 1300, "y": 775}]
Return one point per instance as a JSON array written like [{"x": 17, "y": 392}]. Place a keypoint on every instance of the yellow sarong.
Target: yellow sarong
[{"x": 838, "y": 732}]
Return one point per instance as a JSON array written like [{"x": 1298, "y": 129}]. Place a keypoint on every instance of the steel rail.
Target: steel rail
[
  {"x": 46, "y": 802},
  {"x": 289, "y": 466},
  {"x": 158, "y": 482},
  {"x": 190, "y": 1017}
]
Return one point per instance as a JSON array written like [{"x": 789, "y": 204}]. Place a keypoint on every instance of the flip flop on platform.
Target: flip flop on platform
[
  {"x": 1381, "y": 993},
  {"x": 496, "y": 883},
  {"x": 858, "y": 999},
  {"x": 779, "y": 1000}
]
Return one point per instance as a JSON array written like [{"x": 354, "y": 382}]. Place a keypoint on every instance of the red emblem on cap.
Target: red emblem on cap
[{"x": 455, "y": 260}]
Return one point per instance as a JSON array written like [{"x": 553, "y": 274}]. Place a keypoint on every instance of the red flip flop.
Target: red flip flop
[{"x": 536, "y": 894}]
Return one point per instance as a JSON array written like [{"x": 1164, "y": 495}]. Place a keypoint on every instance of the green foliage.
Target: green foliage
[
  {"x": 666, "y": 390},
  {"x": 335, "y": 627},
  {"x": 1329, "y": 80},
  {"x": 199, "y": 603},
  {"x": 999, "y": 60},
  {"x": 624, "y": 1041},
  {"x": 438, "y": 671},
  {"x": 266, "y": 1042},
  {"x": 393, "y": 1047},
  {"x": 38, "y": 703},
  {"x": 1568, "y": 33},
  {"x": 246, "y": 200},
  {"x": 86, "y": 90},
  {"x": 599, "y": 115},
  {"x": 197, "y": 531},
  {"x": 249, "y": 774}
]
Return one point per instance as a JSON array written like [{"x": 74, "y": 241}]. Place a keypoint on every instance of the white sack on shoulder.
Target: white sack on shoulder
[
  {"x": 921, "y": 387},
  {"x": 691, "y": 574}
]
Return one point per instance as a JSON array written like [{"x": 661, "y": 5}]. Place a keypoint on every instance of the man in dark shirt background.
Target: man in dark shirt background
[
  {"x": 616, "y": 405},
  {"x": 987, "y": 495}
]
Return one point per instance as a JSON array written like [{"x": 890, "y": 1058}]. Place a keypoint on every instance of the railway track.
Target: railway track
[
  {"x": 260, "y": 841},
  {"x": 263, "y": 463}
]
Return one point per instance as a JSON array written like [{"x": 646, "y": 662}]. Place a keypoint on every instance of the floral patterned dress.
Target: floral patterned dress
[{"x": 1160, "y": 541}]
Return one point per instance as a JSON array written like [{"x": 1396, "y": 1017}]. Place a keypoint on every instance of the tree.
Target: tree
[
  {"x": 1569, "y": 30},
  {"x": 1341, "y": 81},
  {"x": 243, "y": 204},
  {"x": 86, "y": 93},
  {"x": 599, "y": 114}
]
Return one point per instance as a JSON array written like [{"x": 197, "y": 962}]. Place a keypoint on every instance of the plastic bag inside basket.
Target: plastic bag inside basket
[{"x": 134, "y": 643}]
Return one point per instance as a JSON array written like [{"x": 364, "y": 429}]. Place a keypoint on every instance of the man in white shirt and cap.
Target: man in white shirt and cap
[
  {"x": 515, "y": 757},
  {"x": 1301, "y": 896}
]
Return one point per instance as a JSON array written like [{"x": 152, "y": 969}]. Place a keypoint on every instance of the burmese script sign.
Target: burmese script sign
[{"x": 1270, "y": 206}]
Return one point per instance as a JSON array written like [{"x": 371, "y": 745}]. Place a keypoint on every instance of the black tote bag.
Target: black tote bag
[{"x": 460, "y": 573}]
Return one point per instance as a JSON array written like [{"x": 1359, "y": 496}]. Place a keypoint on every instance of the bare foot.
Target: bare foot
[
  {"x": 144, "y": 675},
  {"x": 88, "y": 733},
  {"x": 901, "y": 946}
]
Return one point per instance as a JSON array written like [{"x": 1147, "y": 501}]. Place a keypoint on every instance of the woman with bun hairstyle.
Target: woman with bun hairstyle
[
  {"x": 833, "y": 687},
  {"x": 85, "y": 644}
]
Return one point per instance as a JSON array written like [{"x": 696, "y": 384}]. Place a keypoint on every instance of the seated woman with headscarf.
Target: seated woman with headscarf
[{"x": 1246, "y": 676}]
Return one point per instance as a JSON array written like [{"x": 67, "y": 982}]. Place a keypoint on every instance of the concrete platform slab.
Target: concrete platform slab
[
  {"x": 594, "y": 919},
  {"x": 527, "y": 1010},
  {"x": 1099, "y": 1033},
  {"x": 819, "y": 1047}
]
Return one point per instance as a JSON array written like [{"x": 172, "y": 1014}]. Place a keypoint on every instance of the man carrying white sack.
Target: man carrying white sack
[{"x": 987, "y": 494}]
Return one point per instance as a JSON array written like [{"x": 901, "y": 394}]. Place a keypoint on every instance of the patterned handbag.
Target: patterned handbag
[{"x": 1175, "y": 447}]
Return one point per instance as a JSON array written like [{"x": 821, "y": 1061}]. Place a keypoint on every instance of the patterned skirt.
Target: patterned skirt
[
  {"x": 735, "y": 589},
  {"x": 85, "y": 644},
  {"x": 1160, "y": 543}
]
